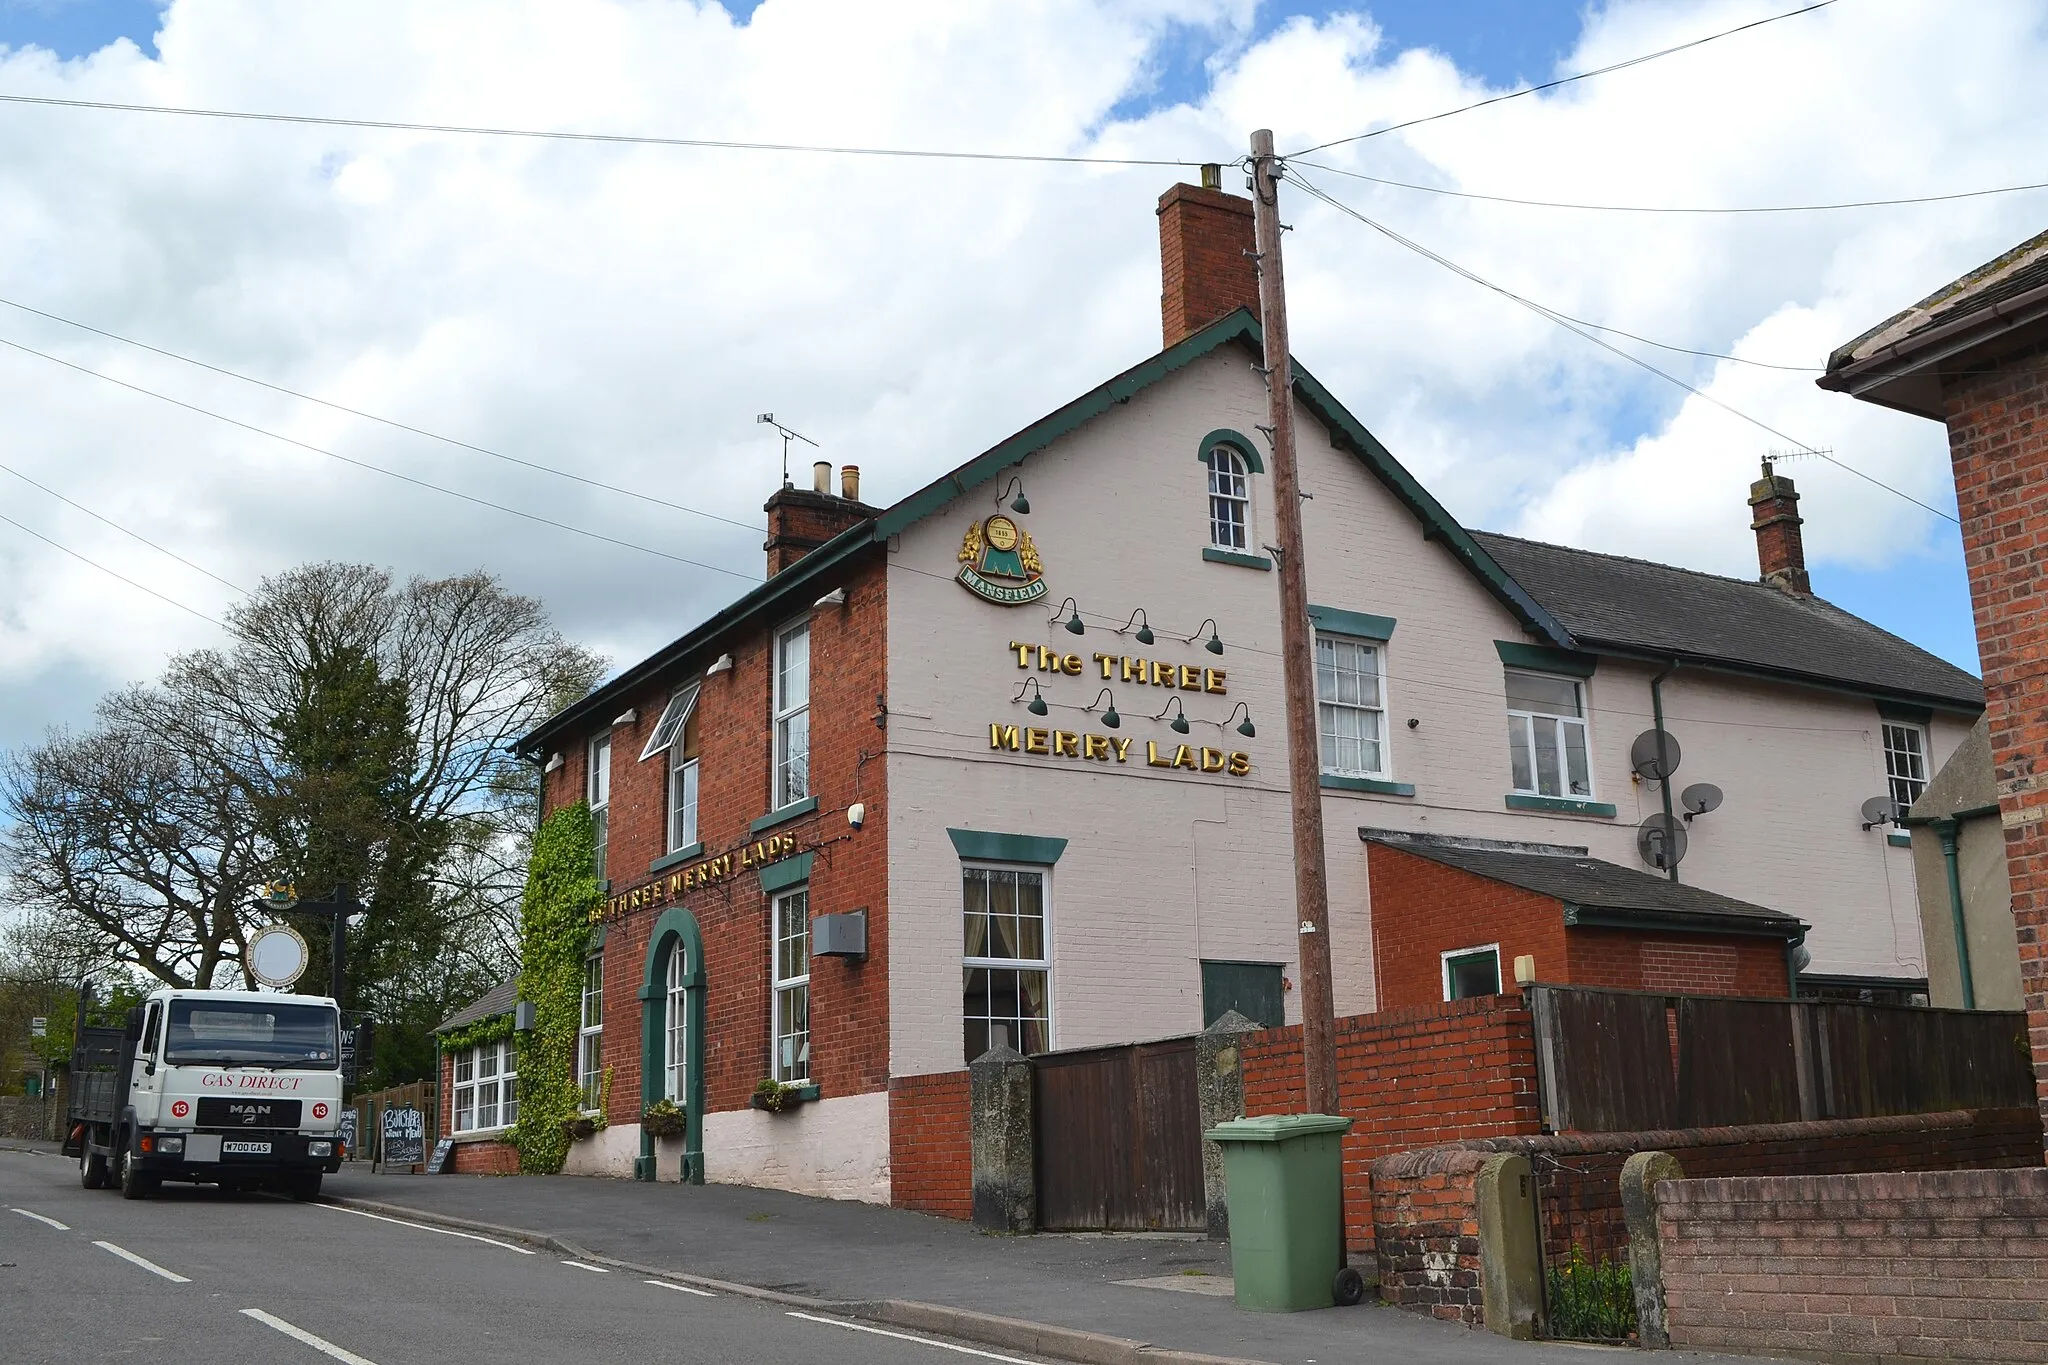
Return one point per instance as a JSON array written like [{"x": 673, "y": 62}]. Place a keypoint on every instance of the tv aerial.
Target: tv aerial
[
  {"x": 1661, "y": 841},
  {"x": 1698, "y": 799},
  {"x": 787, "y": 436},
  {"x": 1654, "y": 755}
]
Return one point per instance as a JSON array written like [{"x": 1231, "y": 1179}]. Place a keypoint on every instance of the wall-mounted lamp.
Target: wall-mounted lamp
[
  {"x": 1073, "y": 622},
  {"x": 1036, "y": 706},
  {"x": 1109, "y": 717},
  {"x": 1021, "y": 505},
  {"x": 1214, "y": 644},
  {"x": 1145, "y": 635},
  {"x": 554, "y": 762},
  {"x": 723, "y": 665},
  {"x": 1246, "y": 728},
  {"x": 1179, "y": 723},
  {"x": 834, "y": 598},
  {"x": 626, "y": 717}
]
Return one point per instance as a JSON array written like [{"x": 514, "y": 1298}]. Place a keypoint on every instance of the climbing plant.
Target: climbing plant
[
  {"x": 476, "y": 1035},
  {"x": 561, "y": 891}
]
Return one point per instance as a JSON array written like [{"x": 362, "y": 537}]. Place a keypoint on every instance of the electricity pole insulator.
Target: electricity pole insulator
[{"x": 1304, "y": 762}]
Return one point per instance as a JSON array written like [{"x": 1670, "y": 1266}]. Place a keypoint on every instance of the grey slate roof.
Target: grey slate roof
[
  {"x": 498, "y": 1000},
  {"x": 1588, "y": 883},
  {"x": 1656, "y": 609}
]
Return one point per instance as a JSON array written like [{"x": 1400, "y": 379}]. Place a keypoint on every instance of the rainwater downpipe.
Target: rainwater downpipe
[
  {"x": 1946, "y": 831},
  {"x": 1664, "y": 782}
]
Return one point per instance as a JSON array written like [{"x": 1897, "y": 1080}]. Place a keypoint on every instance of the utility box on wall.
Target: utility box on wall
[{"x": 840, "y": 935}]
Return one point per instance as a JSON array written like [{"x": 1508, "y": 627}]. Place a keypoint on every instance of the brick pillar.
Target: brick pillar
[{"x": 1998, "y": 443}]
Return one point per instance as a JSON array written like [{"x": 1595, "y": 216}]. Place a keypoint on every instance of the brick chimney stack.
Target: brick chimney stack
[
  {"x": 1205, "y": 264},
  {"x": 1780, "y": 553},
  {"x": 802, "y": 519}
]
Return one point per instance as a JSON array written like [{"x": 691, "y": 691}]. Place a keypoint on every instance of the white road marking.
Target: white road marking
[
  {"x": 61, "y": 1227},
  {"x": 428, "y": 1227},
  {"x": 580, "y": 1266},
  {"x": 320, "y": 1344},
  {"x": 151, "y": 1266},
  {"x": 905, "y": 1336},
  {"x": 681, "y": 1288}
]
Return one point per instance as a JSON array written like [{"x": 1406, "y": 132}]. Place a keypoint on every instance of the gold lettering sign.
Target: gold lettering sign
[
  {"x": 1013, "y": 739},
  {"x": 665, "y": 889}
]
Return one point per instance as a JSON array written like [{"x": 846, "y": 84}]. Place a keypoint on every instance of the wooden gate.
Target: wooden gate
[{"x": 1119, "y": 1139}]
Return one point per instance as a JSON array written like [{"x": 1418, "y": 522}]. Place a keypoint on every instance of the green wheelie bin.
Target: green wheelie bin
[{"x": 1285, "y": 1176}]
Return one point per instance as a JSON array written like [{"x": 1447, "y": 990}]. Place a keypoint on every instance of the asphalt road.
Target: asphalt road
[{"x": 194, "y": 1275}]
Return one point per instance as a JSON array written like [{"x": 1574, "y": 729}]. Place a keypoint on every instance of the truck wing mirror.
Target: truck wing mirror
[{"x": 133, "y": 1026}]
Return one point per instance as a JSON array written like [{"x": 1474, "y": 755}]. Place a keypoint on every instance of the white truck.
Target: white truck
[{"x": 239, "y": 1089}]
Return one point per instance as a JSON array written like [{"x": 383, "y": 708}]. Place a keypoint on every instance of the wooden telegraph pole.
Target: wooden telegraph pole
[{"x": 1304, "y": 762}]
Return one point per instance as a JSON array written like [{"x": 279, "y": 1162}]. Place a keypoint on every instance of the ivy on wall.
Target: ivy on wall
[
  {"x": 476, "y": 1035},
  {"x": 561, "y": 889}
]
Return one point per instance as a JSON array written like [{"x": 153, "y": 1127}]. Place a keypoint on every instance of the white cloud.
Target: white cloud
[{"x": 627, "y": 311}]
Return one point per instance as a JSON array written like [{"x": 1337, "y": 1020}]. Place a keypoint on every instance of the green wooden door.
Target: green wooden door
[{"x": 1250, "y": 988}]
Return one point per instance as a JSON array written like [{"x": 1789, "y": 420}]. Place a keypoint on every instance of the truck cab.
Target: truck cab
[{"x": 234, "y": 1088}]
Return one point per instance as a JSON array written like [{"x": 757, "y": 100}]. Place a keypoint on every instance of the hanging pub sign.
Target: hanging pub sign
[{"x": 999, "y": 563}]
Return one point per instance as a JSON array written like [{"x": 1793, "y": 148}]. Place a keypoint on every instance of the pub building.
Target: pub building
[{"x": 1004, "y": 761}]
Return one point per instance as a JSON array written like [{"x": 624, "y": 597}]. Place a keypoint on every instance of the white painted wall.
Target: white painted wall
[
  {"x": 611, "y": 1150},
  {"x": 837, "y": 1148},
  {"x": 1164, "y": 869}
]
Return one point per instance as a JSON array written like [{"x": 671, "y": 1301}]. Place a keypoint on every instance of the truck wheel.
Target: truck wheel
[
  {"x": 304, "y": 1187},
  {"x": 92, "y": 1170},
  {"x": 134, "y": 1184}
]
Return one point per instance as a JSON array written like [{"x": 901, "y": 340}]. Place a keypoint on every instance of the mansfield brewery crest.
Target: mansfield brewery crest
[{"x": 998, "y": 561}]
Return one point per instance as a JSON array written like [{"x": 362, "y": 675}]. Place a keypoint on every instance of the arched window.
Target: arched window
[
  {"x": 1230, "y": 501},
  {"x": 675, "y": 1075}
]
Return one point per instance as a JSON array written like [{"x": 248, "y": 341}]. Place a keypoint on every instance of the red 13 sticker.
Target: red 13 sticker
[
  {"x": 179, "y": 1109},
  {"x": 319, "y": 1111}
]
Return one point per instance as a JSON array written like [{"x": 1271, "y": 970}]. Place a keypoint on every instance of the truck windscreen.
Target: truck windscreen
[{"x": 251, "y": 1031}]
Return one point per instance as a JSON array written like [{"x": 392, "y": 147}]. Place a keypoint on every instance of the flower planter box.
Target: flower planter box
[{"x": 790, "y": 1098}]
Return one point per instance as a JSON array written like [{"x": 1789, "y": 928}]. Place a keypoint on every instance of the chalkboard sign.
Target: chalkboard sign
[
  {"x": 347, "y": 1134},
  {"x": 437, "y": 1164},
  {"x": 405, "y": 1137}
]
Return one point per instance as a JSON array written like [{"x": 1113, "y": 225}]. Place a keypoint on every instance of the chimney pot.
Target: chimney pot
[
  {"x": 849, "y": 482},
  {"x": 1780, "y": 551},
  {"x": 1206, "y": 266},
  {"x": 821, "y": 477}
]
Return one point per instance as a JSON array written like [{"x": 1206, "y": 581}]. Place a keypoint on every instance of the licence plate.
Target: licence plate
[{"x": 246, "y": 1148}]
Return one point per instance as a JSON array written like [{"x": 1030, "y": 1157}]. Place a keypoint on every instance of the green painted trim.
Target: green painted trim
[
  {"x": 1967, "y": 813},
  {"x": 1612, "y": 917},
  {"x": 1899, "y": 840},
  {"x": 1559, "y": 805},
  {"x": 1359, "y": 623},
  {"x": 1540, "y": 659},
  {"x": 1337, "y": 782},
  {"x": 1243, "y": 561},
  {"x": 681, "y": 855},
  {"x": 1236, "y": 440},
  {"x": 785, "y": 815},
  {"x": 780, "y": 876},
  {"x": 1916, "y": 715},
  {"x": 984, "y": 846},
  {"x": 676, "y": 926}
]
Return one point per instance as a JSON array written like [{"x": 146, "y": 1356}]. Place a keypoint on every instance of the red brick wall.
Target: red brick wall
[
  {"x": 484, "y": 1158},
  {"x": 1425, "y": 1213},
  {"x": 1685, "y": 964},
  {"x": 1941, "y": 1264},
  {"x": 1998, "y": 445},
  {"x": 1204, "y": 270},
  {"x": 849, "y": 999},
  {"x": 1422, "y": 909},
  {"x": 1408, "y": 1078},
  {"x": 931, "y": 1159}
]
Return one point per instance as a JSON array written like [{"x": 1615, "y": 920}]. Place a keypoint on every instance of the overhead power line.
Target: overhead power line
[
  {"x": 1655, "y": 208},
  {"x": 1564, "y": 80},
  {"x": 375, "y": 469},
  {"x": 132, "y": 535},
  {"x": 617, "y": 139},
  {"x": 110, "y": 572},
  {"x": 384, "y": 421},
  {"x": 1569, "y": 325}
]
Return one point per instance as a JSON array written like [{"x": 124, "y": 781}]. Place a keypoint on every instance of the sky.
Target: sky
[{"x": 624, "y": 313}]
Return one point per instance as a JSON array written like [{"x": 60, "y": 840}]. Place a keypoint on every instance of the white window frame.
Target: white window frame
[
  {"x": 469, "y": 1083},
  {"x": 589, "y": 1034},
  {"x": 1444, "y": 966},
  {"x": 1042, "y": 963},
  {"x": 789, "y": 779},
  {"x": 797, "y": 1071},
  {"x": 1892, "y": 776},
  {"x": 674, "y": 717},
  {"x": 598, "y": 791},
  {"x": 1386, "y": 742},
  {"x": 675, "y": 1027},
  {"x": 682, "y": 802},
  {"x": 1531, "y": 719},
  {"x": 1230, "y": 498}
]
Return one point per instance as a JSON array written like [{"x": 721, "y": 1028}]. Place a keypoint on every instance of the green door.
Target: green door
[{"x": 1250, "y": 988}]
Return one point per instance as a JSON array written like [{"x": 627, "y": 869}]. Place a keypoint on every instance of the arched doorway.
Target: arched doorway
[{"x": 672, "y": 1036}]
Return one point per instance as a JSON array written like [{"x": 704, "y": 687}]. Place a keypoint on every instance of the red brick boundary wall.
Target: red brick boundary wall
[
  {"x": 1411, "y": 1077},
  {"x": 1860, "y": 1268},
  {"x": 931, "y": 1158},
  {"x": 488, "y": 1157},
  {"x": 1425, "y": 1212}
]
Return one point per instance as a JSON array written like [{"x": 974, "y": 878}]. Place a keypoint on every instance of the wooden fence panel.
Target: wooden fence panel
[
  {"x": 1739, "y": 1061},
  {"x": 1119, "y": 1139},
  {"x": 1604, "y": 1060}
]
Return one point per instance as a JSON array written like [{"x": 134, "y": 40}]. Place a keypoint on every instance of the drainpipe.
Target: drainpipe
[
  {"x": 1946, "y": 831},
  {"x": 1663, "y": 783}
]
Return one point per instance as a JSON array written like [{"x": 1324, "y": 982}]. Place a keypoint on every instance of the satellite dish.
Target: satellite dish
[
  {"x": 1878, "y": 810},
  {"x": 1654, "y": 754},
  {"x": 1661, "y": 842},
  {"x": 1801, "y": 959},
  {"x": 1699, "y": 798},
  {"x": 277, "y": 955}
]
